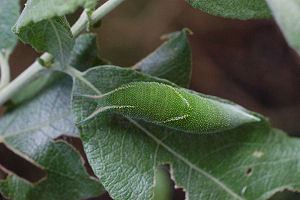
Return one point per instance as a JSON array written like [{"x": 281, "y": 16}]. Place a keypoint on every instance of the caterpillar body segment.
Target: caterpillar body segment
[{"x": 173, "y": 107}]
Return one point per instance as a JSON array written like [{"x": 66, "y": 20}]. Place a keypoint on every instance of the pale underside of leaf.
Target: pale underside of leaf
[
  {"x": 9, "y": 12},
  {"x": 29, "y": 132}
]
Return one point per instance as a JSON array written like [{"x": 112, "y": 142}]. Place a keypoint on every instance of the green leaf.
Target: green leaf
[
  {"x": 85, "y": 53},
  {"x": 83, "y": 56},
  {"x": 52, "y": 35},
  {"x": 43, "y": 25},
  {"x": 287, "y": 15},
  {"x": 37, "y": 10},
  {"x": 241, "y": 9},
  {"x": 30, "y": 131},
  {"x": 66, "y": 177},
  {"x": 171, "y": 61},
  {"x": 9, "y": 13},
  {"x": 250, "y": 162}
]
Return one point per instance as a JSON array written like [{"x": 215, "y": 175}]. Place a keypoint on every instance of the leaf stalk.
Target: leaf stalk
[{"x": 5, "y": 69}]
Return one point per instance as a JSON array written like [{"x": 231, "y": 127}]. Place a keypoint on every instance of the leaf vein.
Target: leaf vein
[
  {"x": 47, "y": 123},
  {"x": 191, "y": 165}
]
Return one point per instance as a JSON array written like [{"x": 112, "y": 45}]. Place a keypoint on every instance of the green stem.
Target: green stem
[
  {"x": 98, "y": 14},
  {"x": 35, "y": 69},
  {"x": 5, "y": 70},
  {"x": 30, "y": 74}
]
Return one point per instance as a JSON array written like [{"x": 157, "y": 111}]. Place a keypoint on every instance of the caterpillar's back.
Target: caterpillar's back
[{"x": 172, "y": 107}]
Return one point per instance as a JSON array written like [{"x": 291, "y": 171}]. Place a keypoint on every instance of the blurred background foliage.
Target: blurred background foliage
[{"x": 247, "y": 62}]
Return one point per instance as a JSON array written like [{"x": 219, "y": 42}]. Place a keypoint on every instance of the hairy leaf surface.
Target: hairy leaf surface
[
  {"x": 241, "y": 9},
  {"x": 85, "y": 53},
  {"x": 9, "y": 13},
  {"x": 250, "y": 162},
  {"x": 39, "y": 10},
  {"x": 43, "y": 25},
  {"x": 52, "y": 35},
  {"x": 29, "y": 131},
  {"x": 287, "y": 15}
]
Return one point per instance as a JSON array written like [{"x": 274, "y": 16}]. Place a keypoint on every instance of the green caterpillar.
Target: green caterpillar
[{"x": 172, "y": 107}]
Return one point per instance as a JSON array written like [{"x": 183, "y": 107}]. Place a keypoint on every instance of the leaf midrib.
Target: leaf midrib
[
  {"x": 39, "y": 126},
  {"x": 58, "y": 40},
  {"x": 191, "y": 165}
]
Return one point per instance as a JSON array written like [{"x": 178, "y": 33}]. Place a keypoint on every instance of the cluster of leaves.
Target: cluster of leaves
[{"x": 253, "y": 161}]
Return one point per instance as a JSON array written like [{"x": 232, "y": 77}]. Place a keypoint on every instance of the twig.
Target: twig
[{"x": 35, "y": 69}]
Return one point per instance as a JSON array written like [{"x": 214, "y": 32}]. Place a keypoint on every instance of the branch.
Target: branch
[
  {"x": 97, "y": 15},
  {"x": 5, "y": 70},
  {"x": 35, "y": 69}
]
